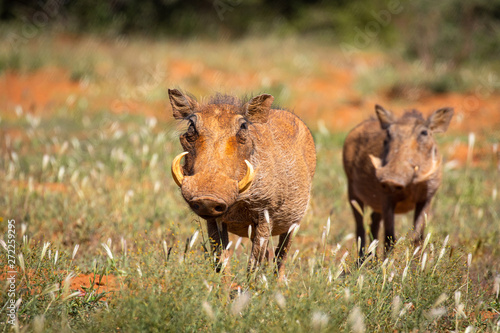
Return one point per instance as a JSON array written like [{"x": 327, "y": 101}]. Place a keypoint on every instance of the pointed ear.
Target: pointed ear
[
  {"x": 438, "y": 121},
  {"x": 182, "y": 105},
  {"x": 257, "y": 109},
  {"x": 385, "y": 117}
]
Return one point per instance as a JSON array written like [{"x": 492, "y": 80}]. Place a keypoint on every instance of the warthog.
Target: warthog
[
  {"x": 393, "y": 166},
  {"x": 244, "y": 162}
]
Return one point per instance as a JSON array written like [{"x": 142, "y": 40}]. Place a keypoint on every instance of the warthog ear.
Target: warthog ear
[
  {"x": 438, "y": 121},
  {"x": 385, "y": 117},
  {"x": 257, "y": 109},
  {"x": 182, "y": 105}
]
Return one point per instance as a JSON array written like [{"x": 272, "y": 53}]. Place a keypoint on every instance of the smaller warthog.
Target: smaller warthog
[
  {"x": 248, "y": 168},
  {"x": 393, "y": 166}
]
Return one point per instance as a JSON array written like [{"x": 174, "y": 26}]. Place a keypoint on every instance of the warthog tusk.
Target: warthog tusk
[
  {"x": 434, "y": 167},
  {"x": 176, "y": 169},
  {"x": 245, "y": 183},
  {"x": 377, "y": 163}
]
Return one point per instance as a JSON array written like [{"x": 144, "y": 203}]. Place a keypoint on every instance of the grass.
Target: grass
[
  {"x": 87, "y": 177},
  {"x": 115, "y": 184}
]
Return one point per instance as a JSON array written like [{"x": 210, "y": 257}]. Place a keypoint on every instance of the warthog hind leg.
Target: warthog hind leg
[{"x": 281, "y": 254}]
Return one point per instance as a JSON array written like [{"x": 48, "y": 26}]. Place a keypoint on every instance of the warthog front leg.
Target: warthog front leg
[
  {"x": 388, "y": 216},
  {"x": 421, "y": 210},
  {"x": 360, "y": 228},
  {"x": 375, "y": 226},
  {"x": 219, "y": 240},
  {"x": 260, "y": 240}
]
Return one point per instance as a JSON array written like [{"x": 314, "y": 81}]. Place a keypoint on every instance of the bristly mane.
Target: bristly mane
[
  {"x": 413, "y": 114},
  {"x": 219, "y": 99}
]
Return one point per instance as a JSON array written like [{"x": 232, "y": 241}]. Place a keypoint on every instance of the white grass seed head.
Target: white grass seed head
[
  {"x": 496, "y": 286},
  {"x": 108, "y": 250},
  {"x": 44, "y": 250},
  {"x": 20, "y": 258},
  {"x": 75, "y": 250},
  {"x": 240, "y": 303},
  {"x": 396, "y": 307},
  {"x": 238, "y": 243},
  {"x": 193, "y": 238},
  {"x": 319, "y": 320},
  {"x": 266, "y": 216},
  {"x": 280, "y": 300},
  {"x": 356, "y": 320},
  {"x": 3, "y": 244},
  {"x": 208, "y": 310}
]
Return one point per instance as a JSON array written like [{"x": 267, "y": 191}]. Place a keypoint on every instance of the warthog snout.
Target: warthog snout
[
  {"x": 208, "y": 206},
  {"x": 392, "y": 184},
  {"x": 393, "y": 177},
  {"x": 213, "y": 197}
]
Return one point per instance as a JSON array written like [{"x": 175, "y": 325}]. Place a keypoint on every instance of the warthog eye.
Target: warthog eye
[
  {"x": 386, "y": 140},
  {"x": 242, "y": 133},
  {"x": 191, "y": 134},
  {"x": 424, "y": 132}
]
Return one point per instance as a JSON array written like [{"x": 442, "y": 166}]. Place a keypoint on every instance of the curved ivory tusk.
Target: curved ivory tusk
[
  {"x": 245, "y": 183},
  {"x": 377, "y": 163},
  {"x": 177, "y": 170},
  {"x": 434, "y": 167}
]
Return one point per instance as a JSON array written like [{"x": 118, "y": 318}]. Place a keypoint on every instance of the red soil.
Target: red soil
[
  {"x": 108, "y": 283},
  {"x": 37, "y": 92},
  {"x": 329, "y": 96}
]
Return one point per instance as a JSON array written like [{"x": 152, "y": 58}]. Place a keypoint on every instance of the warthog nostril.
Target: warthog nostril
[
  {"x": 392, "y": 184},
  {"x": 208, "y": 206}
]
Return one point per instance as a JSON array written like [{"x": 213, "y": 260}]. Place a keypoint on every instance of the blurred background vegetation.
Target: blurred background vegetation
[{"x": 451, "y": 31}]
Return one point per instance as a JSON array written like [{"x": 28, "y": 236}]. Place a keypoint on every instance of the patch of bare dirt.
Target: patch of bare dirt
[
  {"x": 106, "y": 283},
  {"x": 37, "y": 92}
]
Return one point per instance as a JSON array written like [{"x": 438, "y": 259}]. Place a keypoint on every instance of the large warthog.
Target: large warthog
[
  {"x": 393, "y": 166},
  {"x": 246, "y": 164}
]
